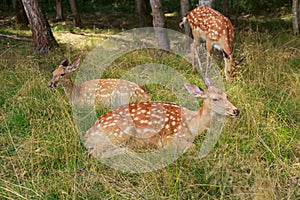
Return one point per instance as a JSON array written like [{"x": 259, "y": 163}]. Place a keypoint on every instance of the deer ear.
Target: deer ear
[
  {"x": 194, "y": 90},
  {"x": 208, "y": 82},
  {"x": 237, "y": 62},
  {"x": 64, "y": 62},
  {"x": 74, "y": 65}
]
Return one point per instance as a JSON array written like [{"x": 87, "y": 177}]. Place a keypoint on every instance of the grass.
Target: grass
[{"x": 256, "y": 157}]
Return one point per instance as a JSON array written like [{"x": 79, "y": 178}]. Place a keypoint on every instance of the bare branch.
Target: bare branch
[{"x": 15, "y": 37}]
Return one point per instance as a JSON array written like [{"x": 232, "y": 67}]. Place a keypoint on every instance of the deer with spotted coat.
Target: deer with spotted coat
[
  {"x": 157, "y": 124},
  {"x": 101, "y": 92},
  {"x": 216, "y": 31}
]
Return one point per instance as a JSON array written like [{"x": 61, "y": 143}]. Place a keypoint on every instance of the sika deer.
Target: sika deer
[
  {"x": 103, "y": 92},
  {"x": 157, "y": 124},
  {"x": 217, "y": 31}
]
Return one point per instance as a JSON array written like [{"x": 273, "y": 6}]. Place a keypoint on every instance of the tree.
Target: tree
[
  {"x": 19, "y": 12},
  {"x": 59, "y": 11},
  {"x": 237, "y": 10},
  {"x": 226, "y": 7},
  {"x": 158, "y": 24},
  {"x": 207, "y": 3},
  {"x": 75, "y": 13},
  {"x": 141, "y": 12},
  {"x": 43, "y": 38},
  {"x": 184, "y": 9},
  {"x": 295, "y": 17}
]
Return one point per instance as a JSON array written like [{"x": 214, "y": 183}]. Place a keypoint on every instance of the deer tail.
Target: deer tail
[{"x": 183, "y": 20}]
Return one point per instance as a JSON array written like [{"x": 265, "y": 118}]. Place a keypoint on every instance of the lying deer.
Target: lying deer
[
  {"x": 157, "y": 124},
  {"x": 217, "y": 31},
  {"x": 103, "y": 92}
]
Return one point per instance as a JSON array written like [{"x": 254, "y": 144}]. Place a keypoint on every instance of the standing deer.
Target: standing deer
[
  {"x": 103, "y": 92},
  {"x": 157, "y": 124},
  {"x": 217, "y": 31}
]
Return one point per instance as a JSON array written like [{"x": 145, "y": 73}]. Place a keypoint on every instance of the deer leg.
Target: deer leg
[
  {"x": 226, "y": 69},
  {"x": 193, "y": 52},
  {"x": 208, "y": 57},
  {"x": 229, "y": 69},
  {"x": 113, "y": 150},
  {"x": 105, "y": 150}
]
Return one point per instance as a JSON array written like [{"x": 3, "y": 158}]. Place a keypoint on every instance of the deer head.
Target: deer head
[{"x": 62, "y": 74}]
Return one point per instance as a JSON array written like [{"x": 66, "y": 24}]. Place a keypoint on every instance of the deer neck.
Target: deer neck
[
  {"x": 69, "y": 87},
  {"x": 203, "y": 119}
]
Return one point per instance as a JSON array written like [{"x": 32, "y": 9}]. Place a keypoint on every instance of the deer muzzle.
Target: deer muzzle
[
  {"x": 235, "y": 113},
  {"x": 51, "y": 84}
]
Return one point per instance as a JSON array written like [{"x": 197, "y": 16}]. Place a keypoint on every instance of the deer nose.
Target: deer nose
[
  {"x": 50, "y": 84},
  {"x": 236, "y": 112}
]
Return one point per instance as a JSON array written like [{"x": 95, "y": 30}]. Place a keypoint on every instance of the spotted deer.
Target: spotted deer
[
  {"x": 217, "y": 31},
  {"x": 157, "y": 124},
  {"x": 102, "y": 92}
]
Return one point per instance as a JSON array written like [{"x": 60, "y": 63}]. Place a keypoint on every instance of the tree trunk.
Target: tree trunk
[
  {"x": 295, "y": 17},
  {"x": 184, "y": 9},
  {"x": 43, "y": 38},
  {"x": 19, "y": 12},
  {"x": 158, "y": 24},
  {"x": 59, "y": 11},
  {"x": 237, "y": 9},
  {"x": 226, "y": 8},
  {"x": 141, "y": 12},
  {"x": 207, "y": 3},
  {"x": 75, "y": 13}
]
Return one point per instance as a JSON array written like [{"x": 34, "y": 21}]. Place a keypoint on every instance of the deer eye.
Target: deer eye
[
  {"x": 215, "y": 99},
  {"x": 62, "y": 74}
]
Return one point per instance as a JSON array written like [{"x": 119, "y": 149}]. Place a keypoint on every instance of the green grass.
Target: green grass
[{"x": 256, "y": 157}]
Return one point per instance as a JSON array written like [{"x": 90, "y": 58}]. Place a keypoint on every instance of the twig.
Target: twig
[{"x": 15, "y": 37}]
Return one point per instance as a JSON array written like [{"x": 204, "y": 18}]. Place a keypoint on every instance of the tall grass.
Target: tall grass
[{"x": 257, "y": 156}]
